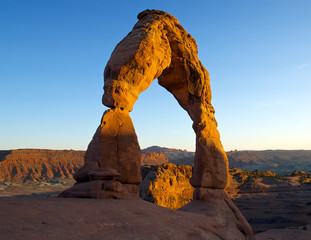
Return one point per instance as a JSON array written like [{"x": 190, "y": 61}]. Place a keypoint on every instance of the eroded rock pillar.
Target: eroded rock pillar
[
  {"x": 112, "y": 161},
  {"x": 210, "y": 161}
]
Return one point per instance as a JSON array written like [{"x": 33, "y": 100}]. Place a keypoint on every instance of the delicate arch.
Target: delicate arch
[{"x": 159, "y": 47}]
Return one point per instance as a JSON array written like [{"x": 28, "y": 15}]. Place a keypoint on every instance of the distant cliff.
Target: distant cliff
[
  {"x": 51, "y": 165},
  {"x": 39, "y": 164}
]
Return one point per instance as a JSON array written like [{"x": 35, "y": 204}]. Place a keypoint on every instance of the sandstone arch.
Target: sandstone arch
[{"x": 157, "y": 47}]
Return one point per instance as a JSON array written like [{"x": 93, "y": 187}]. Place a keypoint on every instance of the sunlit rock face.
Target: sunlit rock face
[
  {"x": 112, "y": 161},
  {"x": 167, "y": 185},
  {"x": 114, "y": 146},
  {"x": 159, "y": 47}
]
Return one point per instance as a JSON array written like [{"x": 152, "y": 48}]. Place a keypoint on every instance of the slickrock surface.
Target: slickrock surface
[
  {"x": 216, "y": 205},
  {"x": 92, "y": 219},
  {"x": 153, "y": 158}
]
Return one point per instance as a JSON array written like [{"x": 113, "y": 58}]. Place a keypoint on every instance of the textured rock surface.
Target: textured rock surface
[
  {"x": 99, "y": 189},
  {"x": 153, "y": 158},
  {"x": 114, "y": 151},
  {"x": 294, "y": 233},
  {"x": 167, "y": 185},
  {"x": 114, "y": 146},
  {"x": 159, "y": 47},
  {"x": 104, "y": 174}
]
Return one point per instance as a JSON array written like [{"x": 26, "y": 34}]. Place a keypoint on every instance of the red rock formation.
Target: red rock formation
[
  {"x": 115, "y": 146},
  {"x": 159, "y": 47}
]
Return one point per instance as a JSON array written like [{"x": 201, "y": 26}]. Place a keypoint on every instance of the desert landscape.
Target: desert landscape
[
  {"x": 134, "y": 177},
  {"x": 276, "y": 206}
]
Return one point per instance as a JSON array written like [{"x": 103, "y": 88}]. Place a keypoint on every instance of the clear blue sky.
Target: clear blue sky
[{"x": 53, "y": 54}]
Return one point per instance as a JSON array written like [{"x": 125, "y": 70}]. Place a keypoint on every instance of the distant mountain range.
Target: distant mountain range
[
  {"x": 46, "y": 165},
  {"x": 279, "y": 161}
]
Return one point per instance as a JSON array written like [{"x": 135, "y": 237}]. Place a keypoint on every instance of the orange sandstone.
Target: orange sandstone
[{"x": 157, "y": 47}]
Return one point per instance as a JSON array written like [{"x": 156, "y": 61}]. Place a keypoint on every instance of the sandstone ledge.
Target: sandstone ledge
[{"x": 60, "y": 218}]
